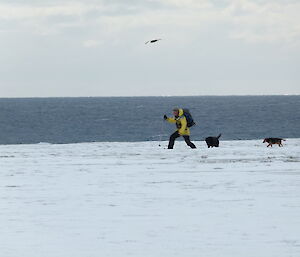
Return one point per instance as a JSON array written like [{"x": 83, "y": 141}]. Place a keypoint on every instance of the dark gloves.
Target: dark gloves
[{"x": 165, "y": 117}]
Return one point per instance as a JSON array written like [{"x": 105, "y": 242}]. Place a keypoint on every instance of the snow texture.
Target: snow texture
[{"x": 142, "y": 200}]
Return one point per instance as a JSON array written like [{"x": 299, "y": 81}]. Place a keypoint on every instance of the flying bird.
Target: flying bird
[{"x": 152, "y": 41}]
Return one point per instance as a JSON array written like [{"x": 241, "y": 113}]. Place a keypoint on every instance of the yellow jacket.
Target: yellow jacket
[{"x": 181, "y": 124}]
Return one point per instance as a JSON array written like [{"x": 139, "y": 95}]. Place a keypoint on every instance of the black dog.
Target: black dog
[
  {"x": 212, "y": 141},
  {"x": 273, "y": 140}
]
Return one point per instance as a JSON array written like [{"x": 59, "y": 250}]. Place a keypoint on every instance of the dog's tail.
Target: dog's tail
[{"x": 219, "y": 136}]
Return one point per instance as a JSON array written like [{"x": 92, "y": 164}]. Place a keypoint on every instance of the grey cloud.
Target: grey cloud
[{"x": 97, "y": 48}]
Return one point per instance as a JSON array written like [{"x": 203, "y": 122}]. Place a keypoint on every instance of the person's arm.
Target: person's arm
[
  {"x": 171, "y": 120},
  {"x": 183, "y": 126}
]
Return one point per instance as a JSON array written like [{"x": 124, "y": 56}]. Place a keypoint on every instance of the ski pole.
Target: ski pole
[{"x": 161, "y": 131}]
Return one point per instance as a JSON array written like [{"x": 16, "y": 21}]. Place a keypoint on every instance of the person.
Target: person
[{"x": 182, "y": 128}]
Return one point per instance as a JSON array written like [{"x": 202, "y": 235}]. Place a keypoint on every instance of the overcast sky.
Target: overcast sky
[{"x": 97, "y": 48}]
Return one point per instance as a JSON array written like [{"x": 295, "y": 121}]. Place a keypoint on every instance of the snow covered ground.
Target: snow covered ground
[{"x": 141, "y": 200}]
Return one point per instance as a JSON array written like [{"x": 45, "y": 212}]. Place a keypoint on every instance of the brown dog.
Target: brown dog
[{"x": 273, "y": 140}]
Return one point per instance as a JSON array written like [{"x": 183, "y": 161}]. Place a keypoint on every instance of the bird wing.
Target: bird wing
[{"x": 152, "y": 41}]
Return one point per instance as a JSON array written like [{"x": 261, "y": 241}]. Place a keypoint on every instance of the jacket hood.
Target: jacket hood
[{"x": 180, "y": 112}]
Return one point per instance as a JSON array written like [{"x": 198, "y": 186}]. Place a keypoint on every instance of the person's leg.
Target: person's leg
[
  {"x": 188, "y": 142},
  {"x": 172, "y": 139}
]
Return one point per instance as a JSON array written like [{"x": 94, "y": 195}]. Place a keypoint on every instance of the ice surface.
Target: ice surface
[{"x": 141, "y": 200}]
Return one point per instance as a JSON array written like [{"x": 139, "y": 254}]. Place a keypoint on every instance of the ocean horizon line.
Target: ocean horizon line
[{"x": 143, "y": 96}]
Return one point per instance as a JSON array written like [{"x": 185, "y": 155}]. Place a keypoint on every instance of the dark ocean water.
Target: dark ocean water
[{"x": 72, "y": 120}]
